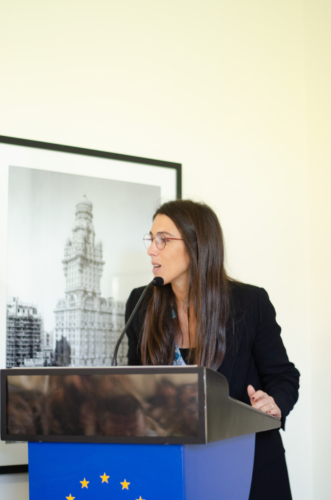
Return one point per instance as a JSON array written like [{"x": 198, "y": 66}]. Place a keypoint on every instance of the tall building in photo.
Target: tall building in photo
[
  {"x": 86, "y": 324},
  {"x": 24, "y": 332}
]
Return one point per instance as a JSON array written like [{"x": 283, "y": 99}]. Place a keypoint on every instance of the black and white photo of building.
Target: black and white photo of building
[
  {"x": 73, "y": 259},
  {"x": 24, "y": 333},
  {"x": 87, "y": 325}
]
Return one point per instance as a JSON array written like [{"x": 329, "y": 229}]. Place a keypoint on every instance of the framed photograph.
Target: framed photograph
[{"x": 72, "y": 222}]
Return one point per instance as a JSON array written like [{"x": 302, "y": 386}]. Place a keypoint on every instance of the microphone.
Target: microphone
[{"x": 158, "y": 281}]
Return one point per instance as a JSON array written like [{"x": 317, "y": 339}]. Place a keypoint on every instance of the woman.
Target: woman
[{"x": 202, "y": 317}]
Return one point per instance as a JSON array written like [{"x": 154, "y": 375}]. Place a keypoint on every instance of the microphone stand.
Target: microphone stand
[{"x": 156, "y": 282}]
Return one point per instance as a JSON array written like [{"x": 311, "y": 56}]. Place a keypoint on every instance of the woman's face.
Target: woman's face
[{"x": 171, "y": 263}]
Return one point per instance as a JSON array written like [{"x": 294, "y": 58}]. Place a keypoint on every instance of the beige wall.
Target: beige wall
[
  {"x": 14, "y": 487},
  {"x": 234, "y": 91},
  {"x": 318, "y": 85}
]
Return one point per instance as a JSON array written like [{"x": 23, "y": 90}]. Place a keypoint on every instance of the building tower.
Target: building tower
[{"x": 87, "y": 325}]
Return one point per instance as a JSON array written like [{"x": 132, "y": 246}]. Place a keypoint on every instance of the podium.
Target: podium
[{"x": 135, "y": 433}]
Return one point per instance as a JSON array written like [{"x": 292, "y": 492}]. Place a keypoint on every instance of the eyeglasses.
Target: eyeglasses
[{"x": 160, "y": 240}]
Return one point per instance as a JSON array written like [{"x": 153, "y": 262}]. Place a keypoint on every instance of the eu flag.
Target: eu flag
[{"x": 77, "y": 471}]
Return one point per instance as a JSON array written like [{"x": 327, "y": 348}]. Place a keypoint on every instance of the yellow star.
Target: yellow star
[
  {"x": 104, "y": 478},
  {"x": 125, "y": 485},
  {"x": 140, "y": 498},
  {"x": 70, "y": 497},
  {"x": 84, "y": 483}
]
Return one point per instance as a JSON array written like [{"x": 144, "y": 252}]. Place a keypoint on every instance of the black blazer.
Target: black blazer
[{"x": 255, "y": 354}]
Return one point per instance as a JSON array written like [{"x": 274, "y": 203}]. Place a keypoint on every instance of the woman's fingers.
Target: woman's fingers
[
  {"x": 250, "y": 390},
  {"x": 259, "y": 399},
  {"x": 262, "y": 401}
]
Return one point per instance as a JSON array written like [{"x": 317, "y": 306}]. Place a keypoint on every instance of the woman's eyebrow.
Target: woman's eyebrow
[{"x": 162, "y": 232}]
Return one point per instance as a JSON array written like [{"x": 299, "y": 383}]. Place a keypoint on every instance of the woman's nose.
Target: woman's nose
[{"x": 152, "y": 249}]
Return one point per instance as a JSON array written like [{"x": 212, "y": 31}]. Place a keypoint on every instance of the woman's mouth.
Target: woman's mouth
[{"x": 156, "y": 267}]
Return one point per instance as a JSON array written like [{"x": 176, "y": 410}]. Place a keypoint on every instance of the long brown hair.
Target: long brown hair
[{"x": 208, "y": 292}]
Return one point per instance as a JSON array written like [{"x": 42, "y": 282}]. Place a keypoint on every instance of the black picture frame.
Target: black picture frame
[{"x": 12, "y": 144}]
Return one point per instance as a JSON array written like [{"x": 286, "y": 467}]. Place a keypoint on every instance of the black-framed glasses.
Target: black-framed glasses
[{"x": 160, "y": 240}]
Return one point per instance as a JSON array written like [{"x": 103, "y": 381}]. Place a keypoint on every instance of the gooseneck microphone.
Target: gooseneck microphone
[{"x": 158, "y": 281}]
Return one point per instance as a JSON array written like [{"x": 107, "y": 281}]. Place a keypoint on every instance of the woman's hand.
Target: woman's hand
[{"x": 262, "y": 401}]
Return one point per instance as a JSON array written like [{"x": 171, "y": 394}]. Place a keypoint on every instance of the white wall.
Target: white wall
[
  {"x": 318, "y": 85},
  {"x": 14, "y": 487},
  {"x": 223, "y": 88}
]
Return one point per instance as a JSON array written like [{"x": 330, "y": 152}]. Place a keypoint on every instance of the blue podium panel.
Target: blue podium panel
[
  {"x": 60, "y": 471},
  {"x": 215, "y": 471},
  {"x": 221, "y": 470}
]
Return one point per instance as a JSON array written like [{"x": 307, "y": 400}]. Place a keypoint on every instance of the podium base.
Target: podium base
[{"x": 216, "y": 471}]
